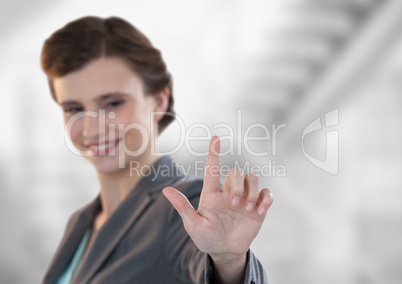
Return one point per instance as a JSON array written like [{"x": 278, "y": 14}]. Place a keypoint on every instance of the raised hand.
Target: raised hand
[{"x": 228, "y": 218}]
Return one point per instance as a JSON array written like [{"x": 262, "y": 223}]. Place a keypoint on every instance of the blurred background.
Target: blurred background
[{"x": 277, "y": 62}]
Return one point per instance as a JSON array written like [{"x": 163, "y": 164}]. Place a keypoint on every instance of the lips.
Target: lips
[{"x": 103, "y": 148}]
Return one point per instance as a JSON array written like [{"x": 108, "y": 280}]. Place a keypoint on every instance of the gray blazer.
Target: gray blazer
[{"x": 144, "y": 240}]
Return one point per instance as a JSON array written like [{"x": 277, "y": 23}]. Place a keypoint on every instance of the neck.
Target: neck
[{"x": 114, "y": 187}]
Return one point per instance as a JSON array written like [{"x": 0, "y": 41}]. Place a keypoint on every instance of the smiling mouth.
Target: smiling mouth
[{"x": 103, "y": 149}]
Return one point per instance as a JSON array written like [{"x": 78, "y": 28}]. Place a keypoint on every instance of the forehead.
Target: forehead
[{"x": 99, "y": 77}]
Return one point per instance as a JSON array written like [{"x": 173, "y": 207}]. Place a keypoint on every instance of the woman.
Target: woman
[{"x": 116, "y": 96}]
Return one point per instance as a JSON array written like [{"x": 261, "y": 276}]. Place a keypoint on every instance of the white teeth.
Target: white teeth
[{"x": 101, "y": 147}]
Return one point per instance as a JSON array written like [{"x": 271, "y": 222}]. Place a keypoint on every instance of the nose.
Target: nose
[{"x": 93, "y": 126}]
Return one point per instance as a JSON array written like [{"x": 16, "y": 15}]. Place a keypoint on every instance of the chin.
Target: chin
[{"x": 106, "y": 165}]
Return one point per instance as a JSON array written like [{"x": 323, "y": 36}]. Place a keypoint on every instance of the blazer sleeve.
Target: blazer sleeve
[
  {"x": 186, "y": 261},
  {"x": 255, "y": 273}
]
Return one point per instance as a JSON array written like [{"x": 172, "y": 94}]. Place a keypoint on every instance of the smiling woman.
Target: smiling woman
[
  {"x": 109, "y": 87},
  {"x": 116, "y": 96}
]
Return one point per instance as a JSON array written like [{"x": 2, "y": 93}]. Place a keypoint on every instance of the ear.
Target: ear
[{"x": 161, "y": 103}]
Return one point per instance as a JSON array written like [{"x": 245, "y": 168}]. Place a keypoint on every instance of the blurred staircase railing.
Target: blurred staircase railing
[{"x": 329, "y": 45}]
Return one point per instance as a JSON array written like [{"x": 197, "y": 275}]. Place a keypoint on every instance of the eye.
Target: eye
[
  {"x": 113, "y": 104},
  {"x": 72, "y": 109}
]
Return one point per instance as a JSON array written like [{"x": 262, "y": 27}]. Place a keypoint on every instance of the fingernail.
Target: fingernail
[
  {"x": 235, "y": 201},
  {"x": 261, "y": 211},
  {"x": 249, "y": 206}
]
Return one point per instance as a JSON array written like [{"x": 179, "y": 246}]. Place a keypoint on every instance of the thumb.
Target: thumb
[{"x": 182, "y": 205}]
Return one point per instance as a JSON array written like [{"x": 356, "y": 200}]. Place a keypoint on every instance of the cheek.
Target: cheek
[
  {"x": 136, "y": 140},
  {"x": 74, "y": 130},
  {"x": 131, "y": 121},
  {"x": 128, "y": 119},
  {"x": 135, "y": 132}
]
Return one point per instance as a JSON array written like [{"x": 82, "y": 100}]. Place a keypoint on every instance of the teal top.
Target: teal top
[{"x": 68, "y": 274}]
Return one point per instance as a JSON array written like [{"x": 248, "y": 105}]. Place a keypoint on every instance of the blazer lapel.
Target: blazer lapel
[
  {"x": 73, "y": 234},
  {"x": 112, "y": 232},
  {"x": 126, "y": 215},
  {"x": 115, "y": 227}
]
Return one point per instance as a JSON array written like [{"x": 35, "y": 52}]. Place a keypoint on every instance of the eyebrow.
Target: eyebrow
[{"x": 98, "y": 99}]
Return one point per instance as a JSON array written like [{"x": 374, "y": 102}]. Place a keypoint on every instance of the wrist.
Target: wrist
[
  {"x": 229, "y": 260},
  {"x": 229, "y": 268}
]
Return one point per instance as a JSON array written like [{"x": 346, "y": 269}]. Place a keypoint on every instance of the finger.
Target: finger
[
  {"x": 233, "y": 187},
  {"x": 182, "y": 205},
  {"x": 212, "y": 166},
  {"x": 264, "y": 201},
  {"x": 251, "y": 191}
]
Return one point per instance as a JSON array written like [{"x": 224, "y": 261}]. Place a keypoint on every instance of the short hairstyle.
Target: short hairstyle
[{"x": 88, "y": 38}]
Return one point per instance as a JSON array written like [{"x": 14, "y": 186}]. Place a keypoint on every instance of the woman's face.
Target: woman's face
[{"x": 107, "y": 115}]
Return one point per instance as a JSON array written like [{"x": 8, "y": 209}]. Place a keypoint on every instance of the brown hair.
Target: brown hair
[{"x": 85, "y": 39}]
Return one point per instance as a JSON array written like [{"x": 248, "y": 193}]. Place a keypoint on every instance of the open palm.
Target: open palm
[{"x": 228, "y": 218}]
